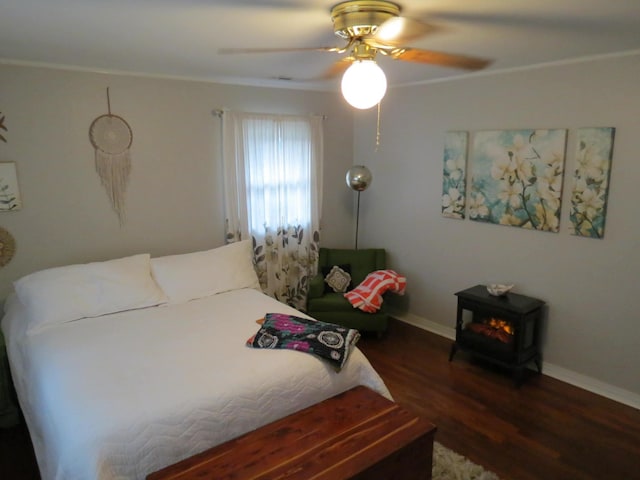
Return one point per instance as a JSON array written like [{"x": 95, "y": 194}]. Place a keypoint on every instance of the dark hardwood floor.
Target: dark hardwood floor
[{"x": 546, "y": 430}]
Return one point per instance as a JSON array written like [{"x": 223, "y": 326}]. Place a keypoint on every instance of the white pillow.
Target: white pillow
[
  {"x": 63, "y": 294},
  {"x": 201, "y": 274}
]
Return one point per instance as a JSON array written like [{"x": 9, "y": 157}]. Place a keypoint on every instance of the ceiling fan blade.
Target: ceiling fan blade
[
  {"x": 437, "y": 58},
  {"x": 338, "y": 68},
  {"x": 399, "y": 31},
  {"x": 232, "y": 51},
  {"x": 271, "y": 4}
]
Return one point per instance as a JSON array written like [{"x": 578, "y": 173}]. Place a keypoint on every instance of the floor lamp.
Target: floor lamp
[{"x": 358, "y": 178}]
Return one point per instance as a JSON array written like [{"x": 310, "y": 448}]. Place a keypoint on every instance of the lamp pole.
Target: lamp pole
[
  {"x": 357, "y": 218},
  {"x": 358, "y": 178}
]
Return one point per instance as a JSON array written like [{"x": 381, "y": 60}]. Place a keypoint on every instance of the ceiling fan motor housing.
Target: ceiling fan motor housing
[{"x": 357, "y": 18}]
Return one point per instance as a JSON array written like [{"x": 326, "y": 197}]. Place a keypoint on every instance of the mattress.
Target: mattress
[{"x": 125, "y": 394}]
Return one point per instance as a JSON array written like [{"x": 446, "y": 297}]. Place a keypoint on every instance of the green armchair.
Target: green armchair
[{"x": 329, "y": 306}]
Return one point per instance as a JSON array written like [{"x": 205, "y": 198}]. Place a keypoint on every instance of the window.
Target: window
[
  {"x": 278, "y": 170},
  {"x": 273, "y": 194}
]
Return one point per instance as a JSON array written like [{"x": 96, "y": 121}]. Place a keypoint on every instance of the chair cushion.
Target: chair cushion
[
  {"x": 330, "y": 302},
  {"x": 362, "y": 261}
]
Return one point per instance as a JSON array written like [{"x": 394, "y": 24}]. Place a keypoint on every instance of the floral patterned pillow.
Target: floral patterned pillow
[
  {"x": 325, "y": 271},
  {"x": 338, "y": 279},
  {"x": 330, "y": 342}
]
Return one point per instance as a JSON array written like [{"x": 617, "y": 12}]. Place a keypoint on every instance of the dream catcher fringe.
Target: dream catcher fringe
[
  {"x": 111, "y": 138},
  {"x": 114, "y": 171}
]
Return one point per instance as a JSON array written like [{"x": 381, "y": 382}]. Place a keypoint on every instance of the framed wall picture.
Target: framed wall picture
[
  {"x": 594, "y": 150},
  {"x": 454, "y": 174},
  {"x": 517, "y": 178},
  {"x": 9, "y": 192}
]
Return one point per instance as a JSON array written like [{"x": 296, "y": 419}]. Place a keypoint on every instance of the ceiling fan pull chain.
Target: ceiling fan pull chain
[
  {"x": 108, "y": 102},
  {"x": 378, "y": 128}
]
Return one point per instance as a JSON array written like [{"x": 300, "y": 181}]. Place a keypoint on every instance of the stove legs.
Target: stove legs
[{"x": 454, "y": 349}]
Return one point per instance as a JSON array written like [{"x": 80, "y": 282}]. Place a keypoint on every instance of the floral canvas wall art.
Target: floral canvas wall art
[
  {"x": 9, "y": 193},
  {"x": 454, "y": 174},
  {"x": 517, "y": 178},
  {"x": 594, "y": 148}
]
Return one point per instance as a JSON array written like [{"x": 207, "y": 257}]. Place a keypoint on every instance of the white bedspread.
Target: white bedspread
[{"x": 125, "y": 394}]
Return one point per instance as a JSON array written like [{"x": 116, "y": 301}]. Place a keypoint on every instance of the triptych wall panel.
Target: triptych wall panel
[{"x": 518, "y": 176}]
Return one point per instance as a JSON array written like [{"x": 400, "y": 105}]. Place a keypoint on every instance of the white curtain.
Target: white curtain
[{"x": 273, "y": 194}]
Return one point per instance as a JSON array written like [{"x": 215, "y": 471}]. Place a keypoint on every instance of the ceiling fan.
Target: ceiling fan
[{"x": 370, "y": 27}]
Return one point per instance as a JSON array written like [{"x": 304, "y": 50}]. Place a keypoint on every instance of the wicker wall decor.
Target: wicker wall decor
[{"x": 7, "y": 247}]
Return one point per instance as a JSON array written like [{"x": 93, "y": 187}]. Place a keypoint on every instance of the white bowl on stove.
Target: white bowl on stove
[{"x": 499, "y": 289}]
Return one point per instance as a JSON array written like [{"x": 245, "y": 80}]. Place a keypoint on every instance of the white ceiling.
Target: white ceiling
[{"x": 180, "y": 38}]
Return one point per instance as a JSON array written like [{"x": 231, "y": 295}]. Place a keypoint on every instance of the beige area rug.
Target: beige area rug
[{"x": 449, "y": 465}]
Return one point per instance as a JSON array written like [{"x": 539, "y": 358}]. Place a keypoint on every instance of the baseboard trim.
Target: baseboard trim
[{"x": 576, "y": 379}]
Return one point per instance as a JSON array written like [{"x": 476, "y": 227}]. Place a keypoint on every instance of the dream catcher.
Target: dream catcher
[{"x": 111, "y": 137}]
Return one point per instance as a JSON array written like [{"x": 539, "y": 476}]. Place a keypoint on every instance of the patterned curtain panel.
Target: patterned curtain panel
[{"x": 273, "y": 188}]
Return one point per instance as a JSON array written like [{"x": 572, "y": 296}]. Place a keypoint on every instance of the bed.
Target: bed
[{"x": 119, "y": 394}]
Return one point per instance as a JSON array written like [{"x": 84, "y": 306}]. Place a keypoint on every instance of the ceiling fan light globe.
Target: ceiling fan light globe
[{"x": 364, "y": 84}]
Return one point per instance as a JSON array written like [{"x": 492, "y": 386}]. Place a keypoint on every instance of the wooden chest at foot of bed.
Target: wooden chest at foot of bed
[{"x": 355, "y": 435}]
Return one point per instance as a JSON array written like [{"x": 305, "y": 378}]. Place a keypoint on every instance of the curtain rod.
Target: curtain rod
[{"x": 219, "y": 112}]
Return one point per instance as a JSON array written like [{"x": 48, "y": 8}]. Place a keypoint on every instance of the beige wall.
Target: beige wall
[
  {"x": 592, "y": 333},
  {"x": 174, "y": 199}
]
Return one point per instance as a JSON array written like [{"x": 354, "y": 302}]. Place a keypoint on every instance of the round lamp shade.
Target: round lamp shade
[
  {"x": 364, "y": 84},
  {"x": 359, "y": 178}
]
